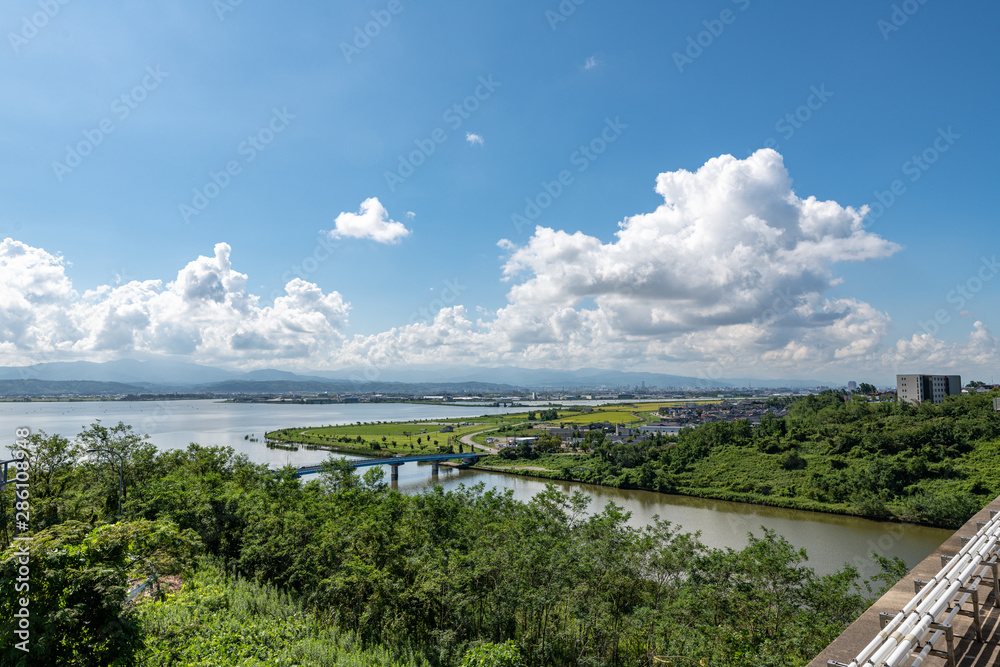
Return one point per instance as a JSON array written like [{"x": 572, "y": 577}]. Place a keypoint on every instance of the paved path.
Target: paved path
[{"x": 467, "y": 440}]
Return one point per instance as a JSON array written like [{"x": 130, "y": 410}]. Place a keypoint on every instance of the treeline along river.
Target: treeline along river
[{"x": 830, "y": 540}]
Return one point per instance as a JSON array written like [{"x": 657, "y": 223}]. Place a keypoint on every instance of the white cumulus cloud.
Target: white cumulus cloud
[
  {"x": 474, "y": 139},
  {"x": 731, "y": 275},
  {"x": 728, "y": 273},
  {"x": 371, "y": 222},
  {"x": 205, "y": 312},
  {"x": 923, "y": 353}
]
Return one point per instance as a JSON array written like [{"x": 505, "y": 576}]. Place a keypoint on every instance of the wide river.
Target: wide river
[{"x": 830, "y": 540}]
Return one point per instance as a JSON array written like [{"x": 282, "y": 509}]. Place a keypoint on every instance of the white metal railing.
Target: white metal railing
[{"x": 936, "y": 604}]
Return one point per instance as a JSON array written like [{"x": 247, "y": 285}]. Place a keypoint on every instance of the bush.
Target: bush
[
  {"x": 494, "y": 655},
  {"x": 793, "y": 461},
  {"x": 944, "y": 511},
  {"x": 215, "y": 620}
]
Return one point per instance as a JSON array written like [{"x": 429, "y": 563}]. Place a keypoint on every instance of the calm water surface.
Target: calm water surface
[
  {"x": 175, "y": 424},
  {"x": 830, "y": 540}
]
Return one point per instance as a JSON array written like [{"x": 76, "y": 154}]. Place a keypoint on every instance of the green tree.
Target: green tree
[
  {"x": 137, "y": 458},
  {"x": 78, "y": 581},
  {"x": 52, "y": 462},
  {"x": 339, "y": 474}
]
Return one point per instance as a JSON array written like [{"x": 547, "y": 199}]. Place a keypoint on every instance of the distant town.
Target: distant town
[{"x": 911, "y": 388}]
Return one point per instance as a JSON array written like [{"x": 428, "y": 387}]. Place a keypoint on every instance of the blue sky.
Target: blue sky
[{"x": 109, "y": 255}]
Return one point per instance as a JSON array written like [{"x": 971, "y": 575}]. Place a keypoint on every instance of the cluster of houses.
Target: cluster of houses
[
  {"x": 694, "y": 414},
  {"x": 672, "y": 420}
]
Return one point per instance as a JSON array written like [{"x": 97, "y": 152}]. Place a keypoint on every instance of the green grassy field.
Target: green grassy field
[
  {"x": 610, "y": 416},
  {"x": 380, "y": 438},
  {"x": 425, "y": 437}
]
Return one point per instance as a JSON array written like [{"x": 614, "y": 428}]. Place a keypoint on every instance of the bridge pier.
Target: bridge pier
[{"x": 395, "y": 461}]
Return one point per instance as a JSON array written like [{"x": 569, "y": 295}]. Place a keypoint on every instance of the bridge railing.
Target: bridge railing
[
  {"x": 927, "y": 617},
  {"x": 398, "y": 460}
]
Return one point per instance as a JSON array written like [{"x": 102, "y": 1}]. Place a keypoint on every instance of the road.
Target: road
[{"x": 467, "y": 440}]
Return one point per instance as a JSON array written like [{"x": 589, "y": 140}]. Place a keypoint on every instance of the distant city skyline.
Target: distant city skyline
[{"x": 770, "y": 190}]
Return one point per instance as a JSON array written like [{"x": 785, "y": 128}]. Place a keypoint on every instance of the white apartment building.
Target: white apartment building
[{"x": 919, "y": 388}]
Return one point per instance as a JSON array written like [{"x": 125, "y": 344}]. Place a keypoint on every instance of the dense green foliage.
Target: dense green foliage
[
  {"x": 494, "y": 655},
  {"x": 216, "y": 620},
  {"x": 76, "y": 589},
  {"x": 931, "y": 464},
  {"x": 440, "y": 577}
]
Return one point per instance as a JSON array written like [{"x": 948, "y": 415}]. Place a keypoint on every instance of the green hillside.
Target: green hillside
[{"x": 932, "y": 464}]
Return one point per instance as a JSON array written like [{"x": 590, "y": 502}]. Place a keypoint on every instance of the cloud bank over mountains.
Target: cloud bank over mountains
[
  {"x": 206, "y": 313},
  {"x": 728, "y": 275}
]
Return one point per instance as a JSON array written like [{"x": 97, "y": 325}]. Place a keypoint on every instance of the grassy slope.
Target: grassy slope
[{"x": 214, "y": 620}]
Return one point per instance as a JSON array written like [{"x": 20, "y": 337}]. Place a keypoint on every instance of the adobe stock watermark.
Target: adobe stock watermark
[
  {"x": 898, "y": 17},
  {"x": 698, "y": 43},
  {"x": 914, "y": 168},
  {"x": 224, "y": 7},
  {"x": 453, "y": 289},
  {"x": 425, "y": 315},
  {"x": 795, "y": 120},
  {"x": 22, "y": 516},
  {"x": 884, "y": 546},
  {"x": 121, "y": 108},
  {"x": 247, "y": 151},
  {"x": 783, "y": 303},
  {"x": 581, "y": 158},
  {"x": 562, "y": 13},
  {"x": 454, "y": 116},
  {"x": 33, "y": 23},
  {"x": 322, "y": 251},
  {"x": 363, "y": 36},
  {"x": 962, "y": 294}
]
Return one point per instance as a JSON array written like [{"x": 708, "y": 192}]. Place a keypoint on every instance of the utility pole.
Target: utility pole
[{"x": 3, "y": 484}]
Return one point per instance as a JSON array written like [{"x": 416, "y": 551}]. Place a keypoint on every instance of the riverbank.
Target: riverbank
[
  {"x": 580, "y": 468},
  {"x": 523, "y": 469},
  {"x": 704, "y": 493},
  {"x": 528, "y": 468}
]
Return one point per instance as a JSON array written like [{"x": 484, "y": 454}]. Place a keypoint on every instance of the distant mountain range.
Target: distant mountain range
[
  {"x": 166, "y": 376},
  {"x": 125, "y": 370},
  {"x": 65, "y": 388}
]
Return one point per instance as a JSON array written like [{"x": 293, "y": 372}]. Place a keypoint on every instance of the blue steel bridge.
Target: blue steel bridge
[{"x": 395, "y": 461}]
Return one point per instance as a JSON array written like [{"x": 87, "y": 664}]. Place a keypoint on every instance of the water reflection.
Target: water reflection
[{"x": 830, "y": 540}]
